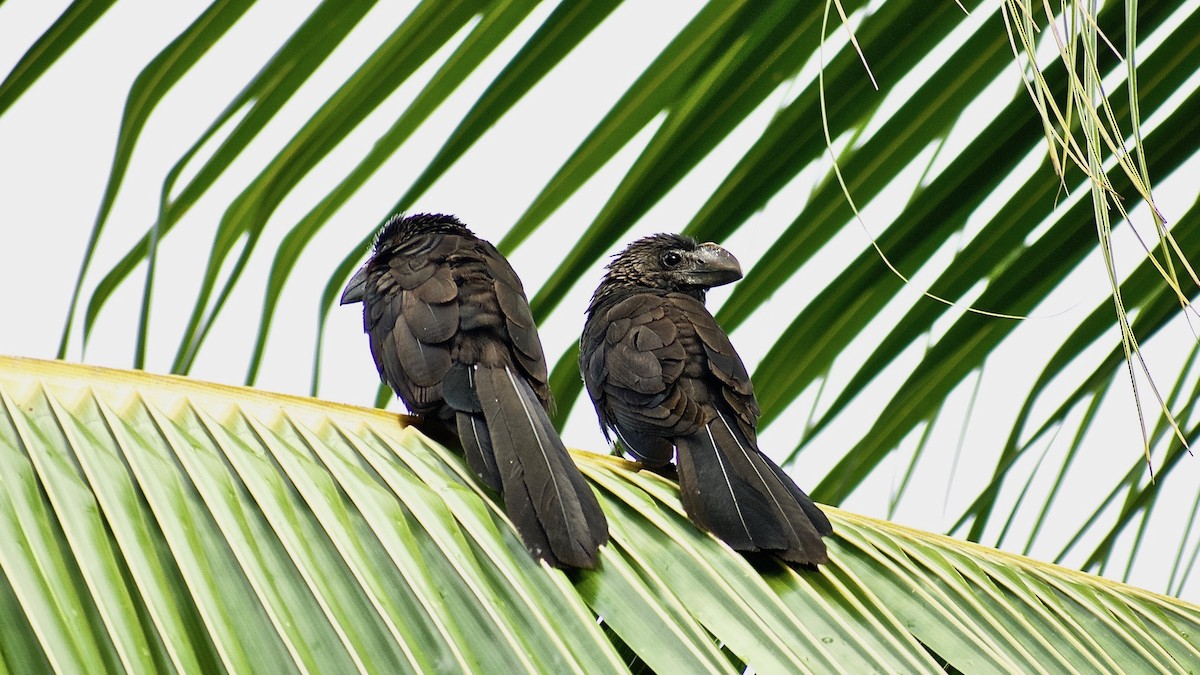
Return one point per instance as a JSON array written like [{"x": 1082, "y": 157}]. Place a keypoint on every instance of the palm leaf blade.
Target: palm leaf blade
[{"x": 197, "y": 525}]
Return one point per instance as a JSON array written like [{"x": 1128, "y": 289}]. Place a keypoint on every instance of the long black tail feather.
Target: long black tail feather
[
  {"x": 545, "y": 495},
  {"x": 731, "y": 489}
]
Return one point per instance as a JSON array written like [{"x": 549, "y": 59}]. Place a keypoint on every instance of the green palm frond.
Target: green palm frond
[{"x": 156, "y": 523}]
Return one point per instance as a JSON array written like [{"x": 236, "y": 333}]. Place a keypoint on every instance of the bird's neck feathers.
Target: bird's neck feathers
[{"x": 616, "y": 287}]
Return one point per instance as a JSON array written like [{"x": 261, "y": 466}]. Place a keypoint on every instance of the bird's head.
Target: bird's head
[
  {"x": 396, "y": 235},
  {"x": 400, "y": 228},
  {"x": 673, "y": 262}
]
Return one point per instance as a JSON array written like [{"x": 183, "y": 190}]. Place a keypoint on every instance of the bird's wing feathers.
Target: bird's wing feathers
[
  {"x": 633, "y": 357},
  {"x": 639, "y": 356},
  {"x": 523, "y": 335},
  {"x": 430, "y": 309},
  {"x": 410, "y": 313},
  {"x": 723, "y": 363}
]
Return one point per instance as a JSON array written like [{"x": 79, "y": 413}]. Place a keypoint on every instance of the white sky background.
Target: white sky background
[{"x": 56, "y": 146}]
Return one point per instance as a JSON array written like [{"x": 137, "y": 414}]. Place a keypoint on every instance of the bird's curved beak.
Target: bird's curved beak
[
  {"x": 356, "y": 288},
  {"x": 714, "y": 266}
]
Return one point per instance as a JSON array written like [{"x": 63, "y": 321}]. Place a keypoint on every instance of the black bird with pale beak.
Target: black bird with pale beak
[{"x": 666, "y": 381}]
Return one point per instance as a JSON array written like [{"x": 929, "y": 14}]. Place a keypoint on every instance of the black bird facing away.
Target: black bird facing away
[
  {"x": 664, "y": 377},
  {"x": 452, "y": 334}
]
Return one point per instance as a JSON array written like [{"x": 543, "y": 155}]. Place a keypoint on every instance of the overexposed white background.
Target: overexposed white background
[{"x": 56, "y": 146}]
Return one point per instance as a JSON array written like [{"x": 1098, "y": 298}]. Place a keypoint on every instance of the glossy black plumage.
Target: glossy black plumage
[
  {"x": 665, "y": 379},
  {"x": 451, "y": 332}
]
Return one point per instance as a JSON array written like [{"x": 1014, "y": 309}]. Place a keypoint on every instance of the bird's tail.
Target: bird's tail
[
  {"x": 510, "y": 442},
  {"x": 731, "y": 489}
]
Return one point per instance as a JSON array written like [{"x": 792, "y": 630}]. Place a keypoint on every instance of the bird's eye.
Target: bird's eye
[{"x": 671, "y": 259}]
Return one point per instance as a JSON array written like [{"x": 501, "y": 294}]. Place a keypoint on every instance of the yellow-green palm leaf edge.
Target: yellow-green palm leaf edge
[{"x": 160, "y": 524}]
